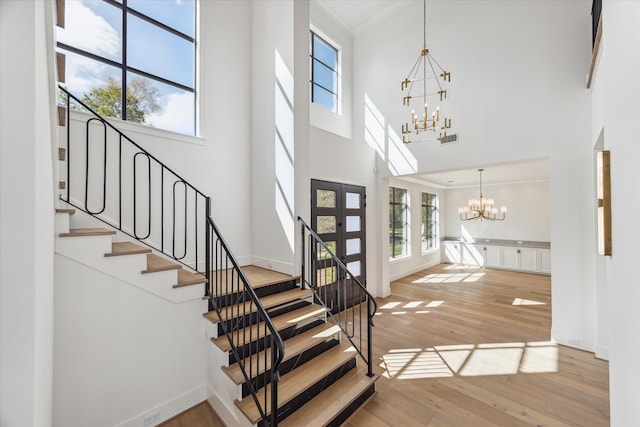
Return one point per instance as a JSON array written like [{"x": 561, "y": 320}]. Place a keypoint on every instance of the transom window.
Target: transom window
[
  {"x": 429, "y": 221},
  {"x": 398, "y": 228},
  {"x": 133, "y": 59},
  {"x": 324, "y": 73}
]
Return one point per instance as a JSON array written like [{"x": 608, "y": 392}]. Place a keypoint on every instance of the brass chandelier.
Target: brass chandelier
[
  {"x": 482, "y": 208},
  {"x": 424, "y": 72}
]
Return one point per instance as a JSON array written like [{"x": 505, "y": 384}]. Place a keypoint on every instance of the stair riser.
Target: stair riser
[
  {"x": 250, "y": 319},
  {"x": 238, "y": 297},
  {"x": 314, "y": 390},
  {"x": 349, "y": 410},
  {"x": 292, "y": 364},
  {"x": 254, "y": 347}
]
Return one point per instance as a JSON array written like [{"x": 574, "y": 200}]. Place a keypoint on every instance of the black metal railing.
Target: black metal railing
[
  {"x": 596, "y": 11},
  {"x": 112, "y": 178},
  {"x": 248, "y": 328},
  {"x": 118, "y": 182},
  {"x": 339, "y": 291}
]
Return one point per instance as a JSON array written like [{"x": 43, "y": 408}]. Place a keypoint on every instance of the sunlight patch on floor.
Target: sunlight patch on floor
[
  {"x": 449, "y": 278},
  {"x": 522, "y": 301},
  {"x": 471, "y": 360}
]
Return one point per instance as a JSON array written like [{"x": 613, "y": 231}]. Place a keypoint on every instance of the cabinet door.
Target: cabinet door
[
  {"x": 528, "y": 259},
  {"x": 472, "y": 255},
  {"x": 491, "y": 256},
  {"x": 451, "y": 252},
  {"x": 544, "y": 260},
  {"x": 510, "y": 257}
]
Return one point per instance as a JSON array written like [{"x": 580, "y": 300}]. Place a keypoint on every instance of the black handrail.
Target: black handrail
[
  {"x": 596, "y": 11},
  {"x": 225, "y": 279},
  {"x": 147, "y": 177},
  {"x": 335, "y": 271},
  {"x": 228, "y": 279}
]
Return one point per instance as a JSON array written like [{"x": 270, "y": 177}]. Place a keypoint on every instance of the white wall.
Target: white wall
[
  {"x": 536, "y": 106},
  {"x": 122, "y": 353},
  {"x": 528, "y": 215},
  {"x": 620, "y": 80},
  {"x": 273, "y": 153},
  {"x": 26, "y": 215}
]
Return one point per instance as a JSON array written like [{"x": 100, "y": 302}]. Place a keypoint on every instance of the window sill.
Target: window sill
[
  {"x": 136, "y": 129},
  {"x": 399, "y": 258},
  {"x": 430, "y": 251}
]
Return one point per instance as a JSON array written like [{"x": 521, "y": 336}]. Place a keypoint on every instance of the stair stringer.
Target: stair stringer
[
  {"x": 221, "y": 391},
  {"x": 91, "y": 250}
]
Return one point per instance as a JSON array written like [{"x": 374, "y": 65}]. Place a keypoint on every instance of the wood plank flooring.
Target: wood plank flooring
[{"x": 470, "y": 347}]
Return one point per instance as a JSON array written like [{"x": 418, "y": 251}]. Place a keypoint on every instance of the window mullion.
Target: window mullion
[{"x": 124, "y": 61}]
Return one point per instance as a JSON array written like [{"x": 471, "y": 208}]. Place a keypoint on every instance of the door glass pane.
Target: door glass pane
[
  {"x": 326, "y": 224},
  {"x": 354, "y": 268},
  {"x": 326, "y": 199},
  {"x": 353, "y": 223},
  {"x": 353, "y": 246},
  {"x": 326, "y": 276},
  {"x": 323, "y": 253},
  {"x": 353, "y": 200}
]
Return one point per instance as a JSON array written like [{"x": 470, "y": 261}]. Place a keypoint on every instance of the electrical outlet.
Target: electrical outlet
[
  {"x": 152, "y": 419},
  {"x": 575, "y": 342}
]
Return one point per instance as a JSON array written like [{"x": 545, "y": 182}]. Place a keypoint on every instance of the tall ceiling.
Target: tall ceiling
[{"x": 360, "y": 15}]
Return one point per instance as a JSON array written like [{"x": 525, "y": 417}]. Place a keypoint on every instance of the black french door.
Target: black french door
[{"x": 338, "y": 217}]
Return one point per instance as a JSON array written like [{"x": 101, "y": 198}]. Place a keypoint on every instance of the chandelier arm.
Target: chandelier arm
[
  {"x": 436, "y": 61},
  {"x": 434, "y": 72},
  {"x": 414, "y": 70}
]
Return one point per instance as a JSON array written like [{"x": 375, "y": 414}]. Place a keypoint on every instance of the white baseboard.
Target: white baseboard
[
  {"x": 271, "y": 264},
  {"x": 168, "y": 409},
  {"x": 413, "y": 270},
  {"x": 574, "y": 342},
  {"x": 602, "y": 352},
  {"x": 229, "y": 415}
]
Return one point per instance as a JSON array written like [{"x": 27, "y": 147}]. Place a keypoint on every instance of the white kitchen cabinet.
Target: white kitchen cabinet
[
  {"x": 452, "y": 252},
  {"x": 519, "y": 258},
  {"x": 508, "y": 257},
  {"x": 472, "y": 255},
  {"x": 492, "y": 256},
  {"x": 544, "y": 260}
]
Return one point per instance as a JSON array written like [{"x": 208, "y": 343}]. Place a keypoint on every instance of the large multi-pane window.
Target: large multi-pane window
[
  {"x": 398, "y": 222},
  {"x": 429, "y": 221},
  {"x": 324, "y": 73},
  {"x": 133, "y": 59}
]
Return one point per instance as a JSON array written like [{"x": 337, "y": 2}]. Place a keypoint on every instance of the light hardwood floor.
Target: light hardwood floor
[{"x": 470, "y": 347}]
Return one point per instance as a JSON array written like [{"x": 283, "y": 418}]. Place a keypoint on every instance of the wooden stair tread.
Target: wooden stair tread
[
  {"x": 281, "y": 322},
  {"x": 126, "y": 248},
  {"x": 66, "y": 210},
  {"x": 80, "y": 232},
  {"x": 187, "y": 278},
  {"x": 258, "y": 277},
  {"x": 292, "y": 347},
  {"x": 323, "y": 408},
  {"x": 297, "y": 381},
  {"x": 157, "y": 263},
  {"x": 270, "y": 301}
]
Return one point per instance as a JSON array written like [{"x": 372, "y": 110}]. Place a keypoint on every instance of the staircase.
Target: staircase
[
  {"x": 320, "y": 382},
  {"x": 280, "y": 353}
]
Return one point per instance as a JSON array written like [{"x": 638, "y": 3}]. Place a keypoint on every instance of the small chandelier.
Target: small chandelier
[
  {"x": 423, "y": 72},
  {"x": 482, "y": 208}
]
